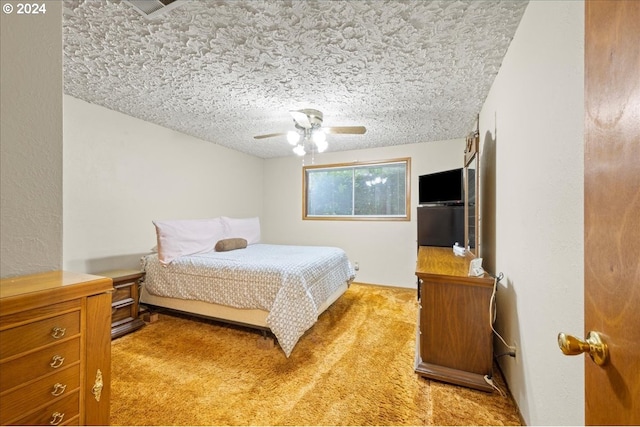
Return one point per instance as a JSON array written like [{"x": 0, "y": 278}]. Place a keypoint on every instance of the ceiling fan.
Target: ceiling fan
[{"x": 309, "y": 130}]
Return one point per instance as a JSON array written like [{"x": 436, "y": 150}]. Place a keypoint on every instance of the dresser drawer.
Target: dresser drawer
[
  {"x": 57, "y": 413},
  {"x": 51, "y": 387},
  {"x": 123, "y": 311},
  {"x": 38, "y": 363},
  {"x": 123, "y": 291},
  {"x": 37, "y": 334}
]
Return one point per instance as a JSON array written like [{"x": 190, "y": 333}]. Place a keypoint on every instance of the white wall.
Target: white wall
[
  {"x": 385, "y": 250},
  {"x": 121, "y": 173},
  {"x": 531, "y": 127},
  {"x": 31, "y": 135}
]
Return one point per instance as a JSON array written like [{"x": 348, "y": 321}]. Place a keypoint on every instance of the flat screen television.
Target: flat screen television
[{"x": 442, "y": 188}]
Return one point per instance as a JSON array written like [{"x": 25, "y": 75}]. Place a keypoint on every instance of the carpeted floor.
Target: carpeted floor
[{"x": 354, "y": 367}]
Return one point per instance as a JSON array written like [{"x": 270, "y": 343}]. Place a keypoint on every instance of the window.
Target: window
[{"x": 361, "y": 191}]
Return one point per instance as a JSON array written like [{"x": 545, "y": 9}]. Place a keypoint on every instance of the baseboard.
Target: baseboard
[{"x": 383, "y": 286}]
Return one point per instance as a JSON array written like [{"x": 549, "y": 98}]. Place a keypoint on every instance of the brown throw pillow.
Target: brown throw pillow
[{"x": 230, "y": 244}]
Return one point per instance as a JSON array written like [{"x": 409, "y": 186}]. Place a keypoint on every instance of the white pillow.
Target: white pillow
[
  {"x": 243, "y": 228},
  {"x": 186, "y": 237}
]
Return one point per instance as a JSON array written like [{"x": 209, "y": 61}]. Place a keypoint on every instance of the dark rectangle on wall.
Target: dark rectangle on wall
[{"x": 440, "y": 225}]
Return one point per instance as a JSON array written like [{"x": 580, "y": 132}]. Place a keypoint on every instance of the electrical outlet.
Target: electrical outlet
[
  {"x": 515, "y": 349},
  {"x": 356, "y": 266}
]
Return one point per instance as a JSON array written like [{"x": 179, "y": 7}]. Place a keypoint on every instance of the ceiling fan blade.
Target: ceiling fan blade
[
  {"x": 301, "y": 118},
  {"x": 353, "y": 130},
  {"x": 269, "y": 135}
]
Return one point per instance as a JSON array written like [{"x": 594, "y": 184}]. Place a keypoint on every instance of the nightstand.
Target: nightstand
[{"x": 124, "y": 302}]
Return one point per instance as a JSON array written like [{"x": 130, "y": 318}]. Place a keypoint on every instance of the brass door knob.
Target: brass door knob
[{"x": 593, "y": 345}]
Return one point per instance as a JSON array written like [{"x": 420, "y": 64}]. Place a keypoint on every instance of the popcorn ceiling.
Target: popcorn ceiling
[{"x": 224, "y": 71}]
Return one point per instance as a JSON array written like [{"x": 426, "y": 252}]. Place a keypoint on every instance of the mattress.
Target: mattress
[{"x": 291, "y": 283}]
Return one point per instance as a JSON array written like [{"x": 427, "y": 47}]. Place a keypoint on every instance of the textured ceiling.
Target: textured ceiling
[{"x": 225, "y": 71}]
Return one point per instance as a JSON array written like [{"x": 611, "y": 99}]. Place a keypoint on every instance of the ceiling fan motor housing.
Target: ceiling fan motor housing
[{"x": 307, "y": 118}]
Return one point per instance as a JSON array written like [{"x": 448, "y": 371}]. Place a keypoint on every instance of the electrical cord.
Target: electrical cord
[
  {"x": 489, "y": 381},
  {"x": 492, "y": 318},
  {"x": 493, "y": 314},
  {"x": 507, "y": 353}
]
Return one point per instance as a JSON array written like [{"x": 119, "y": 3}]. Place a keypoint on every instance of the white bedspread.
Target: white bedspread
[{"x": 290, "y": 282}]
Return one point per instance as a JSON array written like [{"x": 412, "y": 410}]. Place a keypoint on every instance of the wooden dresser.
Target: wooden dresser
[
  {"x": 455, "y": 339},
  {"x": 55, "y": 349}
]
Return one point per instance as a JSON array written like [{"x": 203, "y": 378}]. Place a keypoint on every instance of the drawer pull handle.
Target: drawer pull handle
[
  {"x": 58, "y": 389},
  {"x": 97, "y": 386},
  {"x": 56, "y": 418},
  {"x": 56, "y": 362},
  {"x": 58, "y": 332}
]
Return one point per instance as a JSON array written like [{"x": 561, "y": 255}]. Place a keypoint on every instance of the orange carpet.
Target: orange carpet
[{"x": 354, "y": 367}]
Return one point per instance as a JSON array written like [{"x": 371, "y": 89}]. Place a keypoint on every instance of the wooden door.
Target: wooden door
[{"x": 612, "y": 208}]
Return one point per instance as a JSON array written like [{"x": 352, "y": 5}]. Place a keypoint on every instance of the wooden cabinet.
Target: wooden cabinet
[
  {"x": 124, "y": 304},
  {"x": 55, "y": 349},
  {"x": 455, "y": 338}
]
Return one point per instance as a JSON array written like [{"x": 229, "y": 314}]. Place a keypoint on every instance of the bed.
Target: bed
[{"x": 281, "y": 288}]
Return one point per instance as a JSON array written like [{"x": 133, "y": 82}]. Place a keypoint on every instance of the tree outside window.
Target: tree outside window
[{"x": 364, "y": 190}]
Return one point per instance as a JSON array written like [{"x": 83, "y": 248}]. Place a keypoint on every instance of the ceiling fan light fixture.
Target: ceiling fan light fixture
[
  {"x": 319, "y": 137},
  {"x": 322, "y": 145},
  {"x": 309, "y": 133},
  {"x": 299, "y": 150},
  {"x": 293, "y": 137}
]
